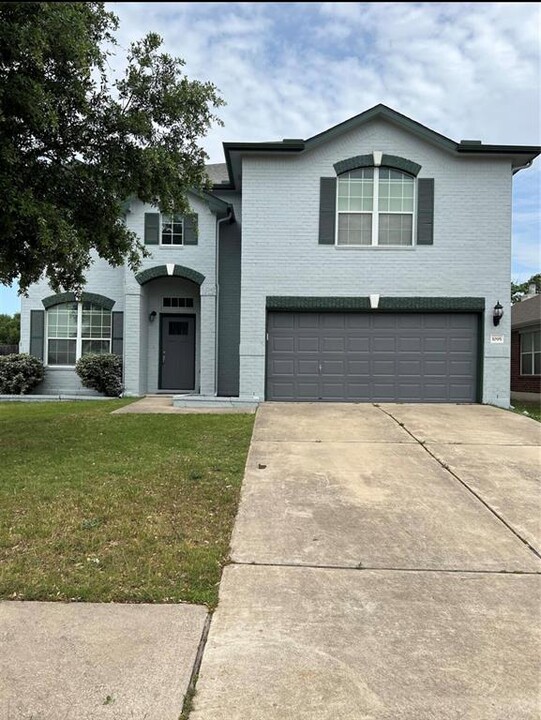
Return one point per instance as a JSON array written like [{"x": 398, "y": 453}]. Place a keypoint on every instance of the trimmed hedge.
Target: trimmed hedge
[
  {"x": 19, "y": 373},
  {"x": 102, "y": 373}
]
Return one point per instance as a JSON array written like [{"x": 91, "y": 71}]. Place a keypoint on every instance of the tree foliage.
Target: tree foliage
[
  {"x": 518, "y": 290},
  {"x": 10, "y": 329},
  {"x": 75, "y": 142}
]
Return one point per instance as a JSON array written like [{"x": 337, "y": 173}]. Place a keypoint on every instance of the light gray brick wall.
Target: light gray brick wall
[
  {"x": 140, "y": 346},
  {"x": 471, "y": 255}
]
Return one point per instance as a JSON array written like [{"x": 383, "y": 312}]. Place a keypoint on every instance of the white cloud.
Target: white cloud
[{"x": 468, "y": 70}]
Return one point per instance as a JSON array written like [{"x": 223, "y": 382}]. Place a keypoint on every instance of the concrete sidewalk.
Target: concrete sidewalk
[
  {"x": 88, "y": 661},
  {"x": 386, "y": 566}
]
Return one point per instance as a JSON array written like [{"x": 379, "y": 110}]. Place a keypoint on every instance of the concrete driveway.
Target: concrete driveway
[{"x": 386, "y": 565}]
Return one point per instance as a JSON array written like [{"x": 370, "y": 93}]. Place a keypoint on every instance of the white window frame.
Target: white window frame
[
  {"x": 532, "y": 353},
  {"x": 78, "y": 338},
  {"x": 164, "y": 221},
  {"x": 375, "y": 212}
]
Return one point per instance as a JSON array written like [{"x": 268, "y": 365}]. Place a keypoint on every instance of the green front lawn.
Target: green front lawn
[
  {"x": 125, "y": 508},
  {"x": 531, "y": 409}
]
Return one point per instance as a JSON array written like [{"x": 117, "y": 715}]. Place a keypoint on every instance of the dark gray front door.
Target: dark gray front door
[
  {"x": 372, "y": 357},
  {"x": 177, "y": 352}
]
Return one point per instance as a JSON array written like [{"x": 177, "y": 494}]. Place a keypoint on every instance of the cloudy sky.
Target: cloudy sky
[{"x": 467, "y": 70}]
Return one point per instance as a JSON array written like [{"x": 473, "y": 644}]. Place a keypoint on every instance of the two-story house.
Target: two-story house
[{"x": 363, "y": 264}]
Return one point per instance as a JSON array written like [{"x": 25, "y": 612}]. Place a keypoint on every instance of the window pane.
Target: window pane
[
  {"x": 536, "y": 340},
  {"x": 526, "y": 342},
  {"x": 172, "y": 229},
  {"x": 526, "y": 364},
  {"x": 98, "y": 347},
  {"x": 356, "y": 190},
  {"x": 62, "y": 321},
  {"x": 399, "y": 187},
  {"x": 395, "y": 229},
  {"x": 61, "y": 352},
  {"x": 537, "y": 363},
  {"x": 354, "y": 229},
  {"x": 96, "y": 322}
]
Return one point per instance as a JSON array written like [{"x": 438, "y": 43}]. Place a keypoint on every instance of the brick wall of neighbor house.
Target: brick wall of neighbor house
[
  {"x": 521, "y": 383},
  {"x": 471, "y": 254}
]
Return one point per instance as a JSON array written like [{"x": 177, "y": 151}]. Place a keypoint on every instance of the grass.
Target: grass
[
  {"x": 532, "y": 409},
  {"x": 128, "y": 508}
]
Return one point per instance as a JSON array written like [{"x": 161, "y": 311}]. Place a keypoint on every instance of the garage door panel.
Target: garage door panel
[
  {"x": 384, "y": 321},
  {"x": 461, "y": 369},
  {"x": 333, "y": 321},
  {"x": 358, "y": 344},
  {"x": 373, "y": 357},
  {"x": 333, "y": 344},
  {"x": 283, "y": 367},
  {"x": 308, "y": 344},
  {"x": 409, "y": 367},
  {"x": 460, "y": 344},
  {"x": 284, "y": 320},
  {"x": 308, "y": 367},
  {"x": 383, "y": 344},
  {"x": 333, "y": 367},
  {"x": 358, "y": 367},
  {"x": 435, "y": 344},
  {"x": 283, "y": 344},
  {"x": 435, "y": 367},
  {"x": 305, "y": 320},
  {"x": 409, "y": 344},
  {"x": 409, "y": 322}
]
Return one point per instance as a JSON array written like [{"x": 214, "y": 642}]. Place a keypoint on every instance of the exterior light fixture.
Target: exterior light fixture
[
  {"x": 497, "y": 314},
  {"x": 152, "y": 316}
]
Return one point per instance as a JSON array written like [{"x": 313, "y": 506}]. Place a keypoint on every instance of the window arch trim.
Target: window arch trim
[
  {"x": 60, "y": 298},
  {"x": 394, "y": 162}
]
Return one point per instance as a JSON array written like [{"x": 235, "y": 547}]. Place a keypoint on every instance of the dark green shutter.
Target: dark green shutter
[
  {"x": 190, "y": 230},
  {"x": 37, "y": 333},
  {"x": 117, "y": 333},
  {"x": 152, "y": 228},
  {"x": 327, "y": 210},
  {"x": 425, "y": 211}
]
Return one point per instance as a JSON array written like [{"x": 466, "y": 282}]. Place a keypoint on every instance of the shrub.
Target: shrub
[
  {"x": 19, "y": 373},
  {"x": 102, "y": 373}
]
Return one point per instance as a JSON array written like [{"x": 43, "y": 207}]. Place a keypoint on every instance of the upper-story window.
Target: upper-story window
[
  {"x": 77, "y": 329},
  {"x": 375, "y": 207},
  {"x": 172, "y": 230}
]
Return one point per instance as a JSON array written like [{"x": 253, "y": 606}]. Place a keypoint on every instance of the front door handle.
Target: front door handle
[{"x": 163, "y": 357}]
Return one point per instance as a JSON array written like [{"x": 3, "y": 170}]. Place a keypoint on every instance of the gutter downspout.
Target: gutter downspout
[{"x": 228, "y": 218}]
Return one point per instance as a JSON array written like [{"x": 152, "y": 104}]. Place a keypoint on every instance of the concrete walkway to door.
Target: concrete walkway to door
[{"x": 386, "y": 566}]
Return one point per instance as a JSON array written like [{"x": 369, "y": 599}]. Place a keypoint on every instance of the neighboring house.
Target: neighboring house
[
  {"x": 362, "y": 264},
  {"x": 526, "y": 347}
]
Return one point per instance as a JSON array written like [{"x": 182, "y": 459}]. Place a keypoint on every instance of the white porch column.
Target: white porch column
[
  {"x": 133, "y": 381},
  {"x": 208, "y": 340}
]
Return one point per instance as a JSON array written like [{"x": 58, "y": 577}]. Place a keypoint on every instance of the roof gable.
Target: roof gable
[{"x": 519, "y": 155}]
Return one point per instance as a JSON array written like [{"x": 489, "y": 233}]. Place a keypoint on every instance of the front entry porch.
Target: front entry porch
[{"x": 170, "y": 333}]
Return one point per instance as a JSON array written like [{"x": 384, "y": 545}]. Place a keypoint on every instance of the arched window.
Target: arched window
[
  {"x": 77, "y": 329},
  {"x": 375, "y": 207}
]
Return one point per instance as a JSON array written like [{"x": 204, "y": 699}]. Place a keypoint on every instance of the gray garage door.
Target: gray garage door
[{"x": 402, "y": 357}]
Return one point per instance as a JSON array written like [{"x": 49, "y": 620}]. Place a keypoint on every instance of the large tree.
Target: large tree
[
  {"x": 10, "y": 329},
  {"x": 518, "y": 290},
  {"x": 76, "y": 143}
]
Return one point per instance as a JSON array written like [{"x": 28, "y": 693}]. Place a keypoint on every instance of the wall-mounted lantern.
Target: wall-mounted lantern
[
  {"x": 152, "y": 316},
  {"x": 497, "y": 314}
]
